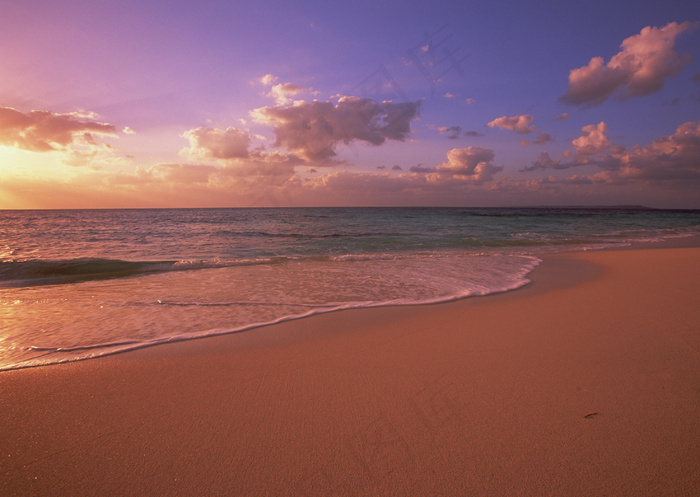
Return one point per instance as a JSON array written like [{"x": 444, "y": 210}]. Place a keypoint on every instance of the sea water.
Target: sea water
[{"x": 77, "y": 284}]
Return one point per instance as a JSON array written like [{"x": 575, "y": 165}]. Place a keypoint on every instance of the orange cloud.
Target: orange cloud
[
  {"x": 212, "y": 143},
  {"x": 45, "y": 131},
  {"x": 639, "y": 69},
  {"x": 521, "y": 125}
]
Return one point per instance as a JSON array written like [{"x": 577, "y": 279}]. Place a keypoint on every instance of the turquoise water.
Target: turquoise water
[{"x": 80, "y": 284}]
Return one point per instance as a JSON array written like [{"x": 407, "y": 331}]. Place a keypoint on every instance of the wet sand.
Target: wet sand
[{"x": 585, "y": 382}]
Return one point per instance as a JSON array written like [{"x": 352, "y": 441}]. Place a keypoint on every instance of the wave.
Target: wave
[
  {"x": 26, "y": 273},
  {"x": 51, "y": 355},
  {"x": 56, "y": 272}
]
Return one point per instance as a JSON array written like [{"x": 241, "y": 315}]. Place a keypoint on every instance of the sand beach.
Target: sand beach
[{"x": 585, "y": 382}]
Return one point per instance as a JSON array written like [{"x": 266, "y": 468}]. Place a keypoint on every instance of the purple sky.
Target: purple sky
[{"x": 315, "y": 103}]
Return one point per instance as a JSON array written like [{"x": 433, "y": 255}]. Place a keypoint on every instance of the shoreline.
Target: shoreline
[
  {"x": 676, "y": 242},
  {"x": 583, "y": 381}
]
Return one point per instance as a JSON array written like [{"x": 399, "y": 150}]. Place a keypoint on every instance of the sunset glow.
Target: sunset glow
[{"x": 177, "y": 104}]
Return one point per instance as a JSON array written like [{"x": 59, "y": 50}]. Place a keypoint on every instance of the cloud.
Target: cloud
[
  {"x": 521, "y": 125},
  {"x": 173, "y": 174},
  {"x": 231, "y": 148},
  {"x": 344, "y": 182},
  {"x": 592, "y": 143},
  {"x": 421, "y": 169},
  {"x": 45, "y": 131},
  {"x": 562, "y": 117},
  {"x": 186, "y": 173},
  {"x": 593, "y": 146},
  {"x": 212, "y": 143},
  {"x": 268, "y": 79},
  {"x": 452, "y": 132},
  {"x": 673, "y": 159},
  {"x": 466, "y": 172},
  {"x": 313, "y": 129},
  {"x": 639, "y": 69},
  {"x": 283, "y": 92},
  {"x": 668, "y": 158},
  {"x": 544, "y": 161},
  {"x": 276, "y": 165},
  {"x": 473, "y": 163},
  {"x": 543, "y": 139}
]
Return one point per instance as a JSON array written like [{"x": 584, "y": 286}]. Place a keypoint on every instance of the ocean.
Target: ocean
[{"x": 78, "y": 284}]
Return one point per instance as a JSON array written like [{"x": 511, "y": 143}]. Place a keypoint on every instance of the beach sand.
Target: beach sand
[{"x": 585, "y": 382}]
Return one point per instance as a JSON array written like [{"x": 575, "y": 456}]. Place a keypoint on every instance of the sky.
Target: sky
[{"x": 155, "y": 103}]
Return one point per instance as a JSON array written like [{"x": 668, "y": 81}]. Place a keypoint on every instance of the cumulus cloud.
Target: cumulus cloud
[
  {"x": 45, "y": 131},
  {"x": 668, "y": 158},
  {"x": 562, "y": 117},
  {"x": 521, "y": 125},
  {"x": 593, "y": 146},
  {"x": 213, "y": 143},
  {"x": 231, "y": 147},
  {"x": 268, "y": 79},
  {"x": 639, "y": 69},
  {"x": 283, "y": 92},
  {"x": 673, "y": 159},
  {"x": 472, "y": 163},
  {"x": 592, "y": 143},
  {"x": 313, "y": 129}
]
